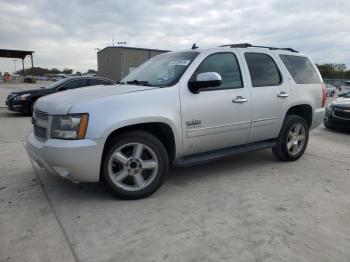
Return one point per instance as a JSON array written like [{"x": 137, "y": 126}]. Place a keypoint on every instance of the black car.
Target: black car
[
  {"x": 23, "y": 101},
  {"x": 338, "y": 113}
]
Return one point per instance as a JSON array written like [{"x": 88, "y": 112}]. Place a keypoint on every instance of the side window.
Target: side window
[
  {"x": 70, "y": 85},
  {"x": 226, "y": 65},
  {"x": 263, "y": 70},
  {"x": 301, "y": 69},
  {"x": 82, "y": 82},
  {"x": 95, "y": 82}
]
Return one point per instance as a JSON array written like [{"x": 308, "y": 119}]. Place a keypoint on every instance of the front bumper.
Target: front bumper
[
  {"x": 332, "y": 121},
  {"x": 17, "y": 106},
  {"x": 75, "y": 160}
]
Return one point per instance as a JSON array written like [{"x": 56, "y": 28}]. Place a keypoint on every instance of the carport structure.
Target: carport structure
[{"x": 8, "y": 53}]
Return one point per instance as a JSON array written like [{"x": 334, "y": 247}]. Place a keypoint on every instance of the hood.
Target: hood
[
  {"x": 343, "y": 103},
  {"x": 32, "y": 91},
  {"x": 61, "y": 102}
]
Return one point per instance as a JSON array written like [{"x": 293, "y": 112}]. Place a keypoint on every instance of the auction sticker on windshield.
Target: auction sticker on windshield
[{"x": 180, "y": 62}]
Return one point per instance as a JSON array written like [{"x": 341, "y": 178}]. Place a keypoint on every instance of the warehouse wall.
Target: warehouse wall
[
  {"x": 117, "y": 62},
  {"x": 108, "y": 63}
]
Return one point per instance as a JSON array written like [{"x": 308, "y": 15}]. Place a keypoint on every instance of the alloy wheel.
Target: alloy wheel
[
  {"x": 296, "y": 139},
  {"x": 133, "y": 166}
]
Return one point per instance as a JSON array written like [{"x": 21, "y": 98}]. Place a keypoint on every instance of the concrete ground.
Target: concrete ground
[{"x": 250, "y": 207}]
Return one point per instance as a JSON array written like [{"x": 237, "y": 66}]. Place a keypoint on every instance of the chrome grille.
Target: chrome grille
[
  {"x": 344, "y": 114},
  {"x": 41, "y": 115}
]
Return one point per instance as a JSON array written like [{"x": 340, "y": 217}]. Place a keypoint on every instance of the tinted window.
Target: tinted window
[
  {"x": 301, "y": 69},
  {"x": 95, "y": 82},
  {"x": 226, "y": 65},
  {"x": 263, "y": 70},
  {"x": 82, "y": 82},
  {"x": 70, "y": 85}
]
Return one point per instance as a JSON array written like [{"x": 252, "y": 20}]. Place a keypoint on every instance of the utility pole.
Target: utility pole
[{"x": 14, "y": 62}]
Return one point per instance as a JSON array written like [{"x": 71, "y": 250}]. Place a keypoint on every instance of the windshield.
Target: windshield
[
  {"x": 161, "y": 70},
  {"x": 56, "y": 84}
]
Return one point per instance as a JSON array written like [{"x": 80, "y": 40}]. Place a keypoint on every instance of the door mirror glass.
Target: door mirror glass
[{"x": 205, "y": 80}]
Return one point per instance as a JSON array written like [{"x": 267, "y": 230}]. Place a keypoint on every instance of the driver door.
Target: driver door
[{"x": 216, "y": 117}]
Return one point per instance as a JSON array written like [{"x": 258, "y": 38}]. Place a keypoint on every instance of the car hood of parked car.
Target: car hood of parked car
[
  {"x": 33, "y": 91},
  {"x": 61, "y": 102},
  {"x": 343, "y": 103}
]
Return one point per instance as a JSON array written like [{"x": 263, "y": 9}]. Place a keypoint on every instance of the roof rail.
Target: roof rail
[{"x": 246, "y": 45}]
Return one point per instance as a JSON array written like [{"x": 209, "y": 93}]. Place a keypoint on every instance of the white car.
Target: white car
[{"x": 177, "y": 109}]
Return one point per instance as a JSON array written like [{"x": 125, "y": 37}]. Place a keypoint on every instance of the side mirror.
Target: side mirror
[{"x": 204, "y": 80}]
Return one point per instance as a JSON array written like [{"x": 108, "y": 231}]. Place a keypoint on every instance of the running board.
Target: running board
[{"x": 221, "y": 153}]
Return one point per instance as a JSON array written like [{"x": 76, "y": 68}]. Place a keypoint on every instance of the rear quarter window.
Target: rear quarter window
[
  {"x": 263, "y": 70},
  {"x": 301, "y": 69}
]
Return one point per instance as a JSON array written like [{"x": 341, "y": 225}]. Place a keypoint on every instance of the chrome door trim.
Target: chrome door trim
[{"x": 203, "y": 131}]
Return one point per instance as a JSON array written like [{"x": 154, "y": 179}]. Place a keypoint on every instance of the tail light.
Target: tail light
[{"x": 324, "y": 93}]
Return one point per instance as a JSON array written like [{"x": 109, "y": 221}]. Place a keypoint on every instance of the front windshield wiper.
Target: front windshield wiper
[
  {"x": 120, "y": 83},
  {"x": 139, "y": 82}
]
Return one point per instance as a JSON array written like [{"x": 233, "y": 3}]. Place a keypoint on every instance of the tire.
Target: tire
[
  {"x": 124, "y": 168},
  {"x": 291, "y": 143},
  {"x": 327, "y": 125}
]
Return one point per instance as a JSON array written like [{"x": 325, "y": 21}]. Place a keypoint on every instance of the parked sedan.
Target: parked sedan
[
  {"x": 23, "y": 101},
  {"x": 338, "y": 113}
]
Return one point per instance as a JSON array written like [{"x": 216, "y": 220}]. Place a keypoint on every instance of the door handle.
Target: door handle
[
  {"x": 283, "y": 94},
  {"x": 239, "y": 100}
]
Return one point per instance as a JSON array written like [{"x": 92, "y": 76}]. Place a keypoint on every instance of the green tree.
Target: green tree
[
  {"x": 67, "y": 71},
  {"x": 91, "y": 71},
  {"x": 333, "y": 71}
]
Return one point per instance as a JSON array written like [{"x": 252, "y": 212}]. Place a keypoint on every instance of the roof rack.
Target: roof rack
[{"x": 246, "y": 45}]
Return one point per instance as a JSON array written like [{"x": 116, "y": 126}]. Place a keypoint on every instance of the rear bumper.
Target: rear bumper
[
  {"x": 77, "y": 160},
  {"x": 318, "y": 117}
]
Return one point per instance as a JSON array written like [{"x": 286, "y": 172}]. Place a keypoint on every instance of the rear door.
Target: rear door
[{"x": 270, "y": 93}]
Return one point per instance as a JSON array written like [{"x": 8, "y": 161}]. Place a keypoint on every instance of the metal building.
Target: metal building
[{"x": 115, "y": 62}]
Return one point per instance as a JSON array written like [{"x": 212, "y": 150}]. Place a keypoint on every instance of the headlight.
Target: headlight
[
  {"x": 69, "y": 126},
  {"x": 21, "y": 97}
]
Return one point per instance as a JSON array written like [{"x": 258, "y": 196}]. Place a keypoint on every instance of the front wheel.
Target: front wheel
[
  {"x": 135, "y": 165},
  {"x": 292, "y": 140}
]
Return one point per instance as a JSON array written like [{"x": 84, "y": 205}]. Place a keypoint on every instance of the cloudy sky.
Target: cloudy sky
[{"x": 66, "y": 33}]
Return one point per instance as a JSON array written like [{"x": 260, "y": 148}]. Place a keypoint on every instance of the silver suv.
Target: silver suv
[{"x": 177, "y": 109}]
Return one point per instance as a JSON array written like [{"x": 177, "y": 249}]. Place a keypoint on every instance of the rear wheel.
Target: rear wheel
[
  {"x": 292, "y": 140},
  {"x": 135, "y": 165}
]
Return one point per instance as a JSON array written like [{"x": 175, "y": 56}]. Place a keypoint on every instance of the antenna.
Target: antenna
[{"x": 194, "y": 46}]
